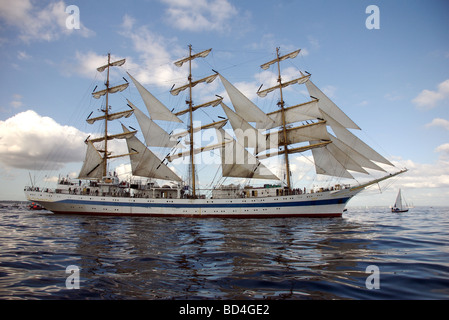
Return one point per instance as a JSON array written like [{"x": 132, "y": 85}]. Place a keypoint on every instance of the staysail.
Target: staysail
[
  {"x": 237, "y": 162},
  {"x": 156, "y": 109},
  {"x": 154, "y": 135},
  {"x": 145, "y": 163},
  {"x": 93, "y": 164},
  {"x": 333, "y": 155},
  {"x": 245, "y": 107}
]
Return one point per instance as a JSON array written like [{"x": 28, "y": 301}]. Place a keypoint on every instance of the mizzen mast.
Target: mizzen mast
[{"x": 284, "y": 129}]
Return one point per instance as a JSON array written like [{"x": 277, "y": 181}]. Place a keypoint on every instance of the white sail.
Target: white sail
[
  {"x": 301, "y": 112},
  {"x": 309, "y": 132},
  {"x": 115, "y": 136},
  {"x": 212, "y": 103},
  {"x": 344, "y": 159},
  {"x": 111, "y": 116},
  {"x": 197, "y": 150},
  {"x": 115, "y": 89},
  {"x": 354, "y": 142},
  {"x": 202, "y": 54},
  {"x": 398, "y": 203},
  {"x": 291, "y": 55},
  {"x": 237, "y": 162},
  {"x": 327, "y": 164},
  {"x": 154, "y": 135},
  {"x": 245, "y": 107},
  {"x": 93, "y": 164},
  {"x": 156, "y": 109},
  {"x": 325, "y": 104},
  {"x": 246, "y": 134},
  {"x": 116, "y": 63},
  {"x": 208, "y": 79},
  {"x": 300, "y": 80},
  {"x": 145, "y": 163},
  {"x": 216, "y": 125},
  {"x": 356, "y": 156}
]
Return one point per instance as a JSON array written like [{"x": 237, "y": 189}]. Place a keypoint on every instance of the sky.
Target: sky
[{"x": 387, "y": 69}]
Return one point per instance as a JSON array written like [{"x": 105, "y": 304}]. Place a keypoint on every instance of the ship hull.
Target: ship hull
[{"x": 323, "y": 204}]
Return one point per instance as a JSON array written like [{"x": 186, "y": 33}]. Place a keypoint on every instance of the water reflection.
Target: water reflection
[{"x": 167, "y": 258}]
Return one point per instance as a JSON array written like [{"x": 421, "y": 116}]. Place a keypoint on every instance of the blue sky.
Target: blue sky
[{"x": 392, "y": 81}]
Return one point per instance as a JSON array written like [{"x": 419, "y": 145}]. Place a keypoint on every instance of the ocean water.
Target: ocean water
[{"x": 369, "y": 253}]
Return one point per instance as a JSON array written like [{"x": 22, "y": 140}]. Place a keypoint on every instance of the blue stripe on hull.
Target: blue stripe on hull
[{"x": 211, "y": 205}]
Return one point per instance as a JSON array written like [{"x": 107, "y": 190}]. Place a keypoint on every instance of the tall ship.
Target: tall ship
[{"x": 242, "y": 143}]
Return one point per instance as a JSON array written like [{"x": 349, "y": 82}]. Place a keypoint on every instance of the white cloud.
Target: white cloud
[
  {"x": 17, "y": 101},
  {"x": 438, "y": 122},
  {"x": 35, "y": 23},
  {"x": 394, "y": 96},
  {"x": 428, "y": 99},
  {"x": 30, "y": 141},
  {"x": 200, "y": 15},
  {"x": 444, "y": 150},
  {"x": 155, "y": 52},
  {"x": 86, "y": 64},
  {"x": 22, "y": 55},
  {"x": 427, "y": 175}
]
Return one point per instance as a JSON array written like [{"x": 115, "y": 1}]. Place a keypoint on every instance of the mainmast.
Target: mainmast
[
  {"x": 191, "y": 107},
  {"x": 105, "y": 158},
  {"x": 190, "y": 102},
  {"x": 281, "y": 104}
]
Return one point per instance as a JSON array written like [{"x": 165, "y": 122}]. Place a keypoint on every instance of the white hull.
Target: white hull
[{"x": 321, "y": 204}]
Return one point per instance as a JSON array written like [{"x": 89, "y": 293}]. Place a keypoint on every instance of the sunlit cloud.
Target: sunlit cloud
[
  {"x": 428, "y": 99},
  {"x": 35, "y": 23},
  {"x": 31, "y": 141}
]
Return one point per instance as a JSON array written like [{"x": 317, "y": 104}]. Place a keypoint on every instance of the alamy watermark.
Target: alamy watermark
[
  {"x": 373, "y": 280},
  {"x": 232, "y": 145},
  {"x": 73, "y": 20},
  {"x": 73, "y": 280},
  {"x": 373, "y": 20}
]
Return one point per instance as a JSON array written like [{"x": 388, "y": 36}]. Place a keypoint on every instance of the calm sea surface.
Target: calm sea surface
[{"x": 160, "y": 258}]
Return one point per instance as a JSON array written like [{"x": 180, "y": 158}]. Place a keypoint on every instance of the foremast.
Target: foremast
[
  {"x": 332, "y": 155},
  {"x": 95, "y": 166}
]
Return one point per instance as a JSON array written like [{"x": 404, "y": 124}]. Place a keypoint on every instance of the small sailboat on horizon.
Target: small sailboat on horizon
[{"x": 398, "y": 206}]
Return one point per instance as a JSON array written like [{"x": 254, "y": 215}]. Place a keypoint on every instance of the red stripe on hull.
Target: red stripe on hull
[{"x": 236, "y": 215}]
